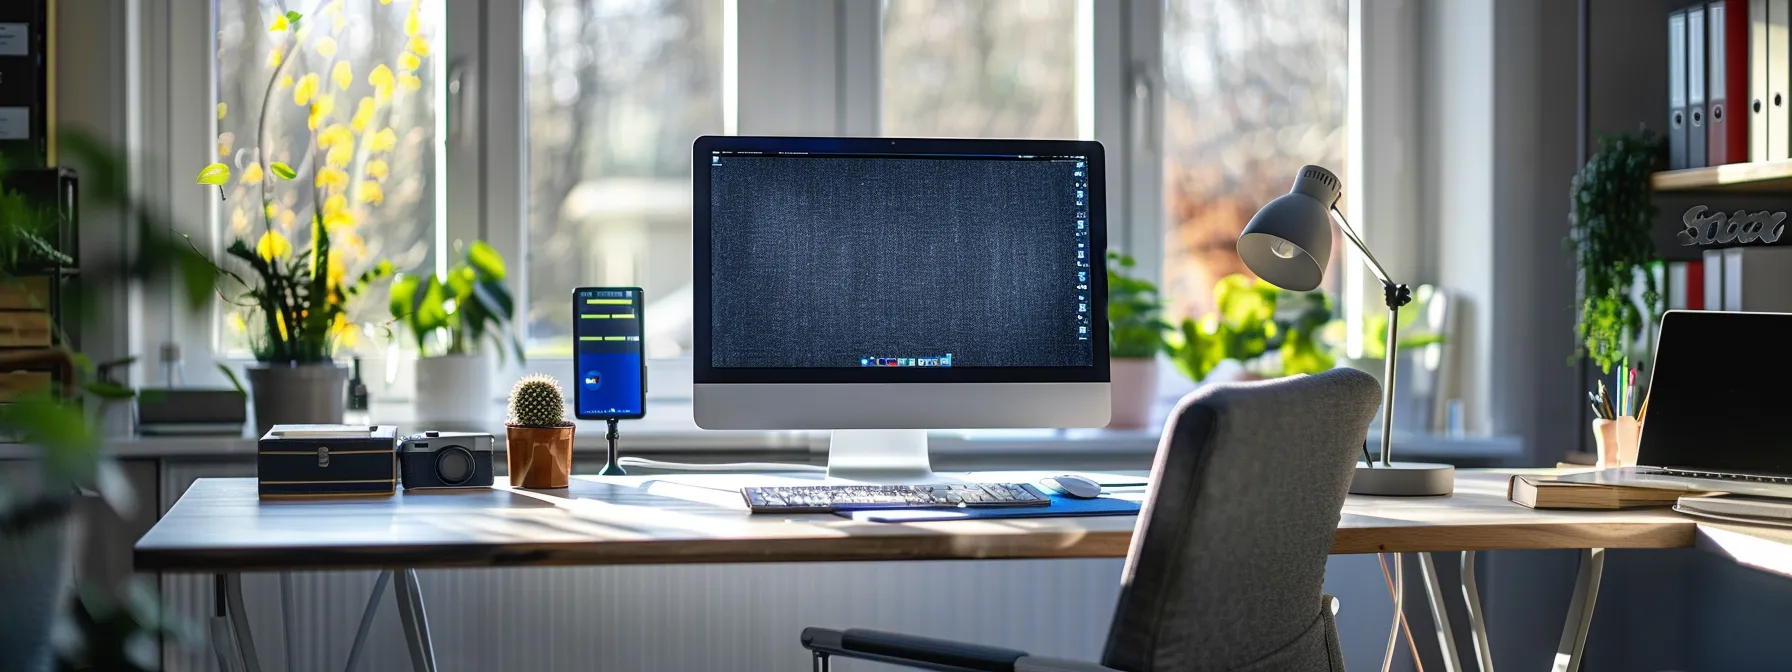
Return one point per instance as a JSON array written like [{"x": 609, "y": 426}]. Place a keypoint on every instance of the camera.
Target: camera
[{"x": 445, "y": 460}]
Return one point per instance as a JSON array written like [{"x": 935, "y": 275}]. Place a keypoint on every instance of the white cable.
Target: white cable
[{"x": 725, "y": 466}]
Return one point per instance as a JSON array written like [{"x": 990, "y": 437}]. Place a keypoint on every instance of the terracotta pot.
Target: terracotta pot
[
  {"x": 539, "y": 457},
  {"x": 1134, "y": 386}
]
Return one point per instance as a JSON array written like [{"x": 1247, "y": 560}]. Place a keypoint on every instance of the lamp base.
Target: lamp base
[{"x": 1404, "y": 479}]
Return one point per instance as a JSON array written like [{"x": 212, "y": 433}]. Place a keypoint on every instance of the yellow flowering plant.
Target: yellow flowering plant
[{"x": 300, "y": 298}]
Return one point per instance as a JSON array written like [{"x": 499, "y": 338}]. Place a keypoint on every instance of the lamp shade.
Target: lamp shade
[{"x": 1289, "y": 241}]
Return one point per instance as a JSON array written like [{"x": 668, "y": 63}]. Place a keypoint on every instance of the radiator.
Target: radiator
[{"x": 692, "y": 617}]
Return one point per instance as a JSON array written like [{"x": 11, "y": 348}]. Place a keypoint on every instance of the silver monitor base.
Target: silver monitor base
[
  {"x": 1404, "y": 479},
  {"x": 881, "y": 456}
]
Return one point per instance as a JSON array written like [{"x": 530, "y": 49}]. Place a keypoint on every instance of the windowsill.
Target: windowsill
[{"x": 670, "y": 429}]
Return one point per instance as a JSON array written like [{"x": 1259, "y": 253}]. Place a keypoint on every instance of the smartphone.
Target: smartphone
[{"x": 607, "y": 354}]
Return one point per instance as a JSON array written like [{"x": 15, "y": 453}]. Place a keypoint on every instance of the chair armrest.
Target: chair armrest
[
  {"x": 924, "y": 653},
  {"x": 1037, "y": 664}
]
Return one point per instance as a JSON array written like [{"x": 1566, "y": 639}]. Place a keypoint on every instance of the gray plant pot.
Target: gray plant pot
[
  {"x": 34, "y": 577},
  {"x": 301, "y": 394}
]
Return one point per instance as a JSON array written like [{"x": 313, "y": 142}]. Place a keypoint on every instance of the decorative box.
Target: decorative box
[{"x": 304, "y": 461}]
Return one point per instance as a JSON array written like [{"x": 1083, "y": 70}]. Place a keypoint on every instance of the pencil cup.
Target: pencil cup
[{"x": 1617, "y": 441}]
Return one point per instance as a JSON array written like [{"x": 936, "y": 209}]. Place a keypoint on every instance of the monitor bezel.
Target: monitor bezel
[{"x": 704, "y": 373}]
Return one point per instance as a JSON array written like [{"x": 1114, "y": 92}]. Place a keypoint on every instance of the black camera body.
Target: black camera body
[{"x": 445, "y": 460}]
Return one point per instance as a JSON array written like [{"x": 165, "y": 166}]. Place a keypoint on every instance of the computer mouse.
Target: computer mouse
[{"x": 1071, "y": 485}]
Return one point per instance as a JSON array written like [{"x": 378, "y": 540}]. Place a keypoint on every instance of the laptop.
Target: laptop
[{"x": 1720, "y": 408}]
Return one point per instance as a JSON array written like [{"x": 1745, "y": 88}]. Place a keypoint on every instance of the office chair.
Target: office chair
[{"x": 1228, "y": 560}]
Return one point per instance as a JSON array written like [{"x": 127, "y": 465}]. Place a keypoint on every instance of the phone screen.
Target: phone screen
[{"x": 610, "y": 367}]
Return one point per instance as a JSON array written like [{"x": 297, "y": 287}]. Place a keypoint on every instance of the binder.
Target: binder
[
  {"x": 24, "y": 83},
  {"x": 1695, "y": 87},
  {"x": 1757, "y": 80},
  {"x": 1677, "y": 90},
  {"x": 1714, "y": 279},
  {"x": 1779, "y": 124},
  {"x": 1686, "y": 285},
  {"x": 1728, "y": 48}
]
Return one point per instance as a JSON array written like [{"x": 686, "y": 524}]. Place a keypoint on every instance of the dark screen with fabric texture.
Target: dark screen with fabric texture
[
  {"x": 822, "y": 261},
  {"x": 1717, "y": 398}
]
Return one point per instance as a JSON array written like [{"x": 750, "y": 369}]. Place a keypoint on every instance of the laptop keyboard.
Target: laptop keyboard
[{"x": 1719, "y": 475}]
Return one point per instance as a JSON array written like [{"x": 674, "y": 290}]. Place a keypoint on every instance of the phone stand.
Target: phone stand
[{"x": 611, "y": 467}]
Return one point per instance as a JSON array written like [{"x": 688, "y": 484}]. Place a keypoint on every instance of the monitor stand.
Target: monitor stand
[{"x": 882, "y": 456}]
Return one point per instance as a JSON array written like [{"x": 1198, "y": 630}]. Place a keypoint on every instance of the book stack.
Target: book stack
[{"x": 1544, "y": 492}]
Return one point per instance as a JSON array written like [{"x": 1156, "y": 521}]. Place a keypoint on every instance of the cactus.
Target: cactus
[{"x": 536, "y": 401}]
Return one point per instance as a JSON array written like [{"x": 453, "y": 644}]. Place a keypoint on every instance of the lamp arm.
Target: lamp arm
[
  {"x": 1375, "y": 266},
  {"x": 1396, "y": 295}
]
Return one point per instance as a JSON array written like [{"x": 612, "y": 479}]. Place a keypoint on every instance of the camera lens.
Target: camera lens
[{"x": 454, "y": 465}]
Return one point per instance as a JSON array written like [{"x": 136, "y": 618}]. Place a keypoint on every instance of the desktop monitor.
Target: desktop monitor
[{"x": 880, "y": 287}]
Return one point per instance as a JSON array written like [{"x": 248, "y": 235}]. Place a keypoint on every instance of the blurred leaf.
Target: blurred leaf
[
  {"x": 460, "y": 283},
  {"x": 486, "y": 260},
  {"x": 108, "y": 390},
  {"x": 69, "y": 446},
  {"x": 283, "y": 171},
  {"x": 234, "y": 381},
  {"x": 293, "y": 17},
  {"x": 431, "y": 314},
  {"x": 216, "y": 173}
]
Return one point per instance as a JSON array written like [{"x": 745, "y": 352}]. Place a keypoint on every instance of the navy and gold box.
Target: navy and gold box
[{"x": 304, "y": 461}]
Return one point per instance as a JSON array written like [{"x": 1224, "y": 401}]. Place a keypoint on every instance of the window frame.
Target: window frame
[{"x": 811, "y": 68}]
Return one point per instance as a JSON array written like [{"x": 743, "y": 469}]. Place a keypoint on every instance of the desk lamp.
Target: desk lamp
[{"x": 1287, "y": 244}]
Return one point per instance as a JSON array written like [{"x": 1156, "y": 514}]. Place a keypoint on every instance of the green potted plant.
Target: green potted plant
[
  {"x": 38, "y": 514},
  {"x": 1268, "y": 331},
  {"x": 452, "y": 319},
  {"x": 1613, "y": 246},
  {"x": 1135, "y": 335},
  {"x": 538, "y": 438},
  {"x": 299, "y": 299}
]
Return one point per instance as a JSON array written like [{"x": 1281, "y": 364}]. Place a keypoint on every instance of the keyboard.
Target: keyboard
[
  {"x": 1719, "y": 475},
  {"x": 830, "y": 498}
]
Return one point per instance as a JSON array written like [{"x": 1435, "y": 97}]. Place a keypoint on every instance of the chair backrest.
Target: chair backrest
[{"x": 1228, "y": 560}]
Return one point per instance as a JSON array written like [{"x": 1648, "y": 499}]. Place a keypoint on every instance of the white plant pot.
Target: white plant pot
[
  {"x": 454, "y": 392},
  {"x": 1134, "y": 385}
]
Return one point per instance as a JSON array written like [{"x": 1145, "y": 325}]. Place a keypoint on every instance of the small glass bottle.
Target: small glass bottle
[{"x": 357, "y": 411}]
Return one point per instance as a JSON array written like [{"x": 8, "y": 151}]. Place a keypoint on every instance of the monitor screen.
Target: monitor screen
[{"x": 900, "y": 260}]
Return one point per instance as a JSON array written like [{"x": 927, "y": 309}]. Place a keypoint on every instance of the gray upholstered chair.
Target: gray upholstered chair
[{"x": 1228, "y": 561}]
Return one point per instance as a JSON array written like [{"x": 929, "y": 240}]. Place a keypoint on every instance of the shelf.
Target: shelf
[{"x": 1758, "y": 177}]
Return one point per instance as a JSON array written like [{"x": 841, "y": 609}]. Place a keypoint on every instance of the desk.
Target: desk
[{"x": 219, "y": 527}]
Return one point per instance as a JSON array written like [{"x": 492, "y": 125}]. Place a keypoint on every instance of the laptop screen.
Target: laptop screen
[{"x": 1720, "y": 397}]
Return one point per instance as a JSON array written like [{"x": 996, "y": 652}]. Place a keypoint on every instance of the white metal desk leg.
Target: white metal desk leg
[
  {"x": 1477, "y": 622},
  {"x": 288, "y": 621},
  {"x": 416, "y": 623},
  {"x": 1440, "y": 615},
  {"x": 223, "y": 640},
  {"x": 239, "y": 623},
  {"x": 373, "y": 605},
  {"x": 1580, "y": 611}
]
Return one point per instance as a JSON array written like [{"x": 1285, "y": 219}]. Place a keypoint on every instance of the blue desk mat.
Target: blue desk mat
[{"x": 1105, "y": 505}]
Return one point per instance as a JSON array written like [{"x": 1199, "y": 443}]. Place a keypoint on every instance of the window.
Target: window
[
  {"x": 350, "y": 94},
  {"x": 617, "y": 90},
  {"x": 970, "y": 68},
  {"x": 613, "y": 91},
  {"x": 1255, "y": 89}
]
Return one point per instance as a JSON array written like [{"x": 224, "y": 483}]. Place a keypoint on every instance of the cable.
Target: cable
[
  {"x": 1397, "y": 590},
  {"x": 722, "y": 466}
]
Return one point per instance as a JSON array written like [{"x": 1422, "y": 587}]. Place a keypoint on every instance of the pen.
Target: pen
[
  {"x": 1598, "y": 412},
  {"x": 1630, "y": 394}
]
